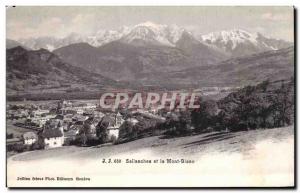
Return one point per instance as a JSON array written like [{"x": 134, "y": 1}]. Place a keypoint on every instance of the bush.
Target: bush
[
  {"x": 9, "y": 136},
  {"x": 16, "y": 147},
  {"x": 239, "y": 127},
  {"x": 36, "y": 146}
]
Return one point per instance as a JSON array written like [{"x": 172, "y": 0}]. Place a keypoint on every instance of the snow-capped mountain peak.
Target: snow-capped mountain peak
[
  {"x": 155, "y": 33},
  {"x": 165, "y": 34},
  {"x": 239, "y": 42},
  {"x": 102, "y": 37},
  {"x": 234, "y": 42},
  {"x": 148, "y": 31},
  {"x": 151, "y": 25},
  {"x": 234, "y": 37},
  {"x": 175, "y": 33}
]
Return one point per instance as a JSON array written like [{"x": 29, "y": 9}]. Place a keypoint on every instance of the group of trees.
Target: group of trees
[
  {"x": 129, "y": 131},
  {"x": 206, "y": 116},
  {"x": 266, "y": 105},
  {"x": 178, "y": 124}
]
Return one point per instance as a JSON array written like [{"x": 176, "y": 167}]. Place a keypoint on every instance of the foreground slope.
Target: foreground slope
[
  {"x": 260, "y": 158},
  {"x": 189, "y": 146}
]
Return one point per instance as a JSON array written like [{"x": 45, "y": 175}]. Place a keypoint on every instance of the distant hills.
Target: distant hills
[
  {"x": 12, "y": 44},
  {"x": 40, "y": 70},
  {"x": 33, "y": 71},
  {"x": 123, "y": 61},
  {"x": 273, "y": 65}
]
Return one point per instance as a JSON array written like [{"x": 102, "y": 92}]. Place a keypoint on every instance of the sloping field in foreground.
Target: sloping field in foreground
[{"x": 253, "y": 158}]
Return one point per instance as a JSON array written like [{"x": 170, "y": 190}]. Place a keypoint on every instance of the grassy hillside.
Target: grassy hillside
[{"x": 189, "y": 146}]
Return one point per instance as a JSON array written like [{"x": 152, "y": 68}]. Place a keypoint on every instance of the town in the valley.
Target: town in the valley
[{"x": 53, "y": 124}]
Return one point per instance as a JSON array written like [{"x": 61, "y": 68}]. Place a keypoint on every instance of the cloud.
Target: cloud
[
  {"x": 276, "y": 17},
  {"x": 82, "y": 18},
  {"x": 19, "y": 29},
  {"x": 82, "y": 23},
  {"x": 52, "y": 26},
  {"x": 61, "y": 21}
]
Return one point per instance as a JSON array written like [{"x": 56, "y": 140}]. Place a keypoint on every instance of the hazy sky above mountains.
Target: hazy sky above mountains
[{"x": 24, "y": 22}]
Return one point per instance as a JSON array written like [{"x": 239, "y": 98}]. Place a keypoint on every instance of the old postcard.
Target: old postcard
[{"x": 149, "y": 96}]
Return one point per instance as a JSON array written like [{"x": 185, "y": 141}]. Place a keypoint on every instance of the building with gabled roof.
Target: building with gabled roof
[
  {"x": 30, "y": 138},
  {"x": 53, "y": 134},
  {"x": 113, "y": 123}
]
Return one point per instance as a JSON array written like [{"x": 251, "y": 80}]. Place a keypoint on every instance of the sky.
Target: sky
[{"x": 58, "y": 21}]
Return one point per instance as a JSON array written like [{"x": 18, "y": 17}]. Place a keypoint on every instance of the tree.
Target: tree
[
  {"x": 205, "y": 116},
  {"x": 264, "y": 85},
  {"x": 283, "y": 104},
  {"x": 128, "y": 130},
  {"x": 85, "y": 130},
  {"x": 40, "y": 144},
  {"x": 102, "y": 132},
  {"x": 184, "y": 125}
]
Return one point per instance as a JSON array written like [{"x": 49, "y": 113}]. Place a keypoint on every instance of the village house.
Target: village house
[
  {"x": 98, "y": 114},
  {"x": 40, "y": 112},
  {"x": 19, "y": 113},
  {"x": 66, "y": 103},
  {"x": 40, "y": 121},
  {"x": 67, "y": 121},
  {"x": 79, "y": 111},
  {"x": 53, "y": 134},
  {"x": 30, "y": 138},
  {"x": 114, "y": 123},
  {"x": 11, "y": 113},
  {"x": 79, "y": 119},
  {"x": 68, "y": 110},
  {"x": 90, "y": 106},
  {"x": 22, "y": 113},
  {"x": 89, "y": 113}
]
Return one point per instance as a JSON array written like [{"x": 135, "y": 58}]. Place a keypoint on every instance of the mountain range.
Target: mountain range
[
  {"x": 146, "y": 54},
  {"x": 235, "y": 42}
]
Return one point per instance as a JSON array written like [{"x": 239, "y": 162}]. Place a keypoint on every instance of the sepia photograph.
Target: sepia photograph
[{"x": 150, "y": 96}]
